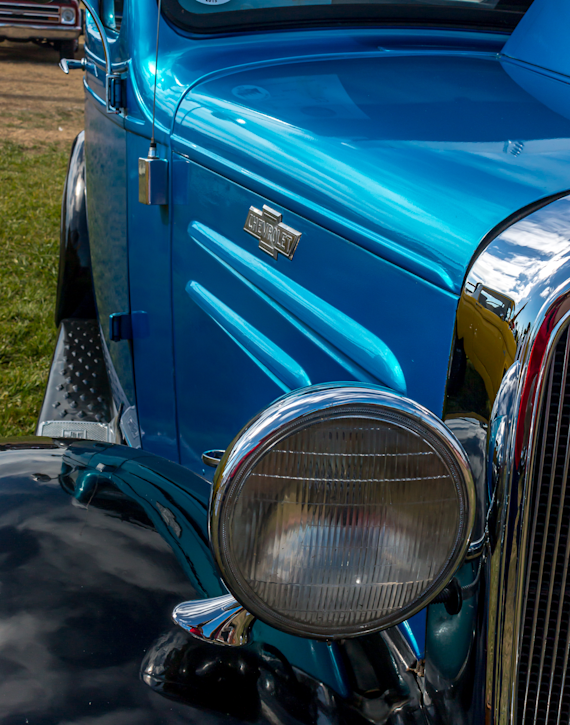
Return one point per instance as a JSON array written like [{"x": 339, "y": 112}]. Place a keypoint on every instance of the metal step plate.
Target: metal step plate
[{"x": 78, "y": 401}]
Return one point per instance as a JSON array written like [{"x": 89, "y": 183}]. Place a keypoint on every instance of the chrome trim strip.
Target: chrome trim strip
[
  {"x": 532, "y": 540},
  {"x": 564, "y": 674},
  {"x": 564, "y": 576},
  {"x": 558, "y": 524}
]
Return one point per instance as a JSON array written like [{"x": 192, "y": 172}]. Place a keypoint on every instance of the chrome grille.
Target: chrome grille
[
  {"x": 28, "y": 13},
  {"x": 543, "y": 688}
]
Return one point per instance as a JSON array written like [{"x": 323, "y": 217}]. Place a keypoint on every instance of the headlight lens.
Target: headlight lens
[
  {"x": 340, "y": 511},
  {"x": 68, "y": 15}
]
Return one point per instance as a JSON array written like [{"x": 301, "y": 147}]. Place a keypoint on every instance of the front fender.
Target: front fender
[
  {"x": 98, "y": 544},
  {"x": 87, "y": 590}
]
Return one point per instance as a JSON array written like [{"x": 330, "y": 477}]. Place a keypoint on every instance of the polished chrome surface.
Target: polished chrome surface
[
  {"x": 297, "y": 411},
  {"x": 153, "y": 180},
  {"x": 512, "y": 311},
  {"x": 221, "y": 620},
  {"x": 273, "y": 236},
  {"x": 476, "y": 548},
  {"x": 545, "y": 636},
  {"x": 67, "y": 64},
  {"x": 213, "y": 457}
]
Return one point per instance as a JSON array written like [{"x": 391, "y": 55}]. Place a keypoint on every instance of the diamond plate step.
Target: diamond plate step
[{"x": 78, "y": 401}]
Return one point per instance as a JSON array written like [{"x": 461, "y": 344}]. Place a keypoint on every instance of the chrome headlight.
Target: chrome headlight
[{"x": 341, "y": 510}]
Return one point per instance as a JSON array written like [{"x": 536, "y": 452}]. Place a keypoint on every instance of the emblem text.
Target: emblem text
[{"x": 273, "y": 235}]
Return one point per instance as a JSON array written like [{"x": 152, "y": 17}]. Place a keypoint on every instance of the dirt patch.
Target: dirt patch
[{"x": 40, "y": 104}]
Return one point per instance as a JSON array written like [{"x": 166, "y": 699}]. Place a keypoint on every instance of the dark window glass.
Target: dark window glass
[
  {"x": 112, "y": 13},
  {"x": 118, "y": 13},
  {"x": 221, "y": 15}
]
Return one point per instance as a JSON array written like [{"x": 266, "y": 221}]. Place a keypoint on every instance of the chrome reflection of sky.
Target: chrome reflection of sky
[{"x": 533, "y": 253}]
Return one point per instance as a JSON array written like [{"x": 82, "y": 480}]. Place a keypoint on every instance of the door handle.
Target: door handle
[{"x": 67, "y": 64}]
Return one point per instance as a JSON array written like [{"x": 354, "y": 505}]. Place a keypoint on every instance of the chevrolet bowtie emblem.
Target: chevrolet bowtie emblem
[{"x": 273, "y": 235}]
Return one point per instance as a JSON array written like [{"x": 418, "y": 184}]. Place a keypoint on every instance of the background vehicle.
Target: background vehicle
[
  {"x": 57, "y": 23},
  {"x": 326, "y": 214}
]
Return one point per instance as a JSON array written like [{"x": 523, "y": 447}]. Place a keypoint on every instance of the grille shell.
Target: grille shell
[{"x": 543, "y": 689}]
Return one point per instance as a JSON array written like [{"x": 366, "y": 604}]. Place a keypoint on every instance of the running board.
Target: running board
[{"x": 78, "y": 401}]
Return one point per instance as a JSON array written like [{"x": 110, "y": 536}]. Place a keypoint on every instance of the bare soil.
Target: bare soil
[{"x": 39, "y": 104}]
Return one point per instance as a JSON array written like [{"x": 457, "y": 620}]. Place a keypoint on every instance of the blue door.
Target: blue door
[{"x": 106, "y": 188}]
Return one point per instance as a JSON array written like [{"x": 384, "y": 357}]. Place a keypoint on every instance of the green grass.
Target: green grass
[
  {"x": 58, "y": 115},
  {"x": 31, "y": 183}
]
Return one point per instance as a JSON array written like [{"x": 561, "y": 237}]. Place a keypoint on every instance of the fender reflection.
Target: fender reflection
[{"x": 98, "y": 543}]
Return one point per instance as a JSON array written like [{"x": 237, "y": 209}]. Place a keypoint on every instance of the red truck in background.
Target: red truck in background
[{"x": 56, "y": 23}]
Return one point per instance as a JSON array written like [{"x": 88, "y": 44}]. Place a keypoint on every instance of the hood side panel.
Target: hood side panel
[
  {"x": 260, "y": 327},
  {"x": 413, "y": 154}
]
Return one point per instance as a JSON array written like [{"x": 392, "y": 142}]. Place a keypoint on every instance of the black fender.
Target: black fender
[
  {"x": 75, "y": 295},
  {"x": 98, "y": 544}
]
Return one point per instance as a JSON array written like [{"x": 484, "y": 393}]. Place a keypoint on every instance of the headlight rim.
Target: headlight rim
[
  {"x": 71, "y": 18},
  {"x": 300, "y": 409}
]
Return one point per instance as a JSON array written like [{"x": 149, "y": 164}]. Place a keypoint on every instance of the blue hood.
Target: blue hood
[{"x": 414, "y": 154}]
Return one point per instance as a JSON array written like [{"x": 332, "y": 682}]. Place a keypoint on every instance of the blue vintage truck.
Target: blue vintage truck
[{"x": 304, "y": 449}]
